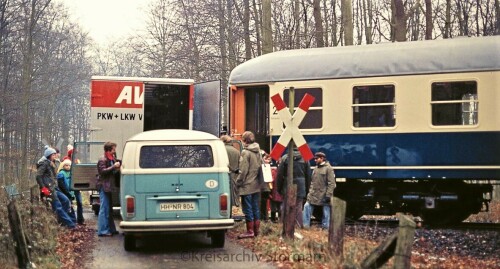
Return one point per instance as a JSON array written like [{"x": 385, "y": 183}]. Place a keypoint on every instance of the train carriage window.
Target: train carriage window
[
  {"x": 314, "y": 117},
  {"x": 454, "y": 103},
  {"x": 374, "y": 106}
]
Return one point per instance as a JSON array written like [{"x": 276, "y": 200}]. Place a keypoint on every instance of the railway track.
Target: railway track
[{"x": 393, "y": 223}]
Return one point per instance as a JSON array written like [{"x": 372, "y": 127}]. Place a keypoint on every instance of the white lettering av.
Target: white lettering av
[{"x": 128, "y": 93}]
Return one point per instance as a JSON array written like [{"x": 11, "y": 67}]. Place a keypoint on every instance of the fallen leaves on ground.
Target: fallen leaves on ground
[
  {"x": 75, "y": 246},
  {"x": 431, "y": 249}
]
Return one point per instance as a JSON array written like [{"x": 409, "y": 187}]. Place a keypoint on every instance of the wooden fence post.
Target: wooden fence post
[
  {"x": 406, "y": 233},
  {"x": 381, "y": 254},
  {"x": 23, "y": 257},
  {"x": 337, "y": 228}
]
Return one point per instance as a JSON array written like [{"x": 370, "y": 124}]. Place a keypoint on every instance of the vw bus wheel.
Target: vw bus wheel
[
  {"x": 218, "y": 239},
  {"x": 129, "y": 242}
]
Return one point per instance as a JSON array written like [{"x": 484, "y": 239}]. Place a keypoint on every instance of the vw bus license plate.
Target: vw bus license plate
[{"x": 177, "y": 206}]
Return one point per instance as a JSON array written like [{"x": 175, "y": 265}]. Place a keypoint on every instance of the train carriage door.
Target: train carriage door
[
  {"x": 249, "y": 111},
  {"x": 166, "y": 106},
  {"x": 207, "y": 107}
]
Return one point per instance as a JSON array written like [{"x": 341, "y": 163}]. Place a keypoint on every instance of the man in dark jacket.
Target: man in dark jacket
[
  {"x": 46, "y": 179},
  {"x": 108, "y": 168},
  {"x": 321, "y": 190},
  {"x": 301, "y": 177}
]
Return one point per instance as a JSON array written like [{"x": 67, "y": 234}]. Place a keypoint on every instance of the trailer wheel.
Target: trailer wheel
[{"x": 129, "y": 242}]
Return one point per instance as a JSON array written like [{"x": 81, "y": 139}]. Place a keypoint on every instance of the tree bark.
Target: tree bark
[
  {"x": 400, "y": 21},
  {"x": 428, "y": 19},
  {"x": 258, "y": 27},
  {"x": 267, "y": 32},
  {"x": 318, "y": 24},
  {"x": 246, "y": 29},
  {"x": 347, "y": 22},
  {"x": 447, "y": 23}
]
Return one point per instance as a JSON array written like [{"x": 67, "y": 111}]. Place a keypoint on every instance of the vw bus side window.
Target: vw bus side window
[
  {"x": 454, "y": 103},
  {"x": 176, "y": 156}
]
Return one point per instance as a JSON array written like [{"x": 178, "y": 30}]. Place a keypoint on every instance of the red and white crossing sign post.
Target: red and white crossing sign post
[
  {"x": 291, "y": 133},
  {"x": 292, "y": 123}
]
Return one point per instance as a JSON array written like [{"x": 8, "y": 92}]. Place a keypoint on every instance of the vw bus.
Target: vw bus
[{"x": 175, "y": 181}]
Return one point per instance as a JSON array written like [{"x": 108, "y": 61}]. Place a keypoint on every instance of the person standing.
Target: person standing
[
  {"x": 301, "y": 177},
  {"x": 78, "y": 195},
  {"x": 46, "y": 179},
  {"x": 276, "y": 198},
  {"x": 265, "y": 191},
  {"x": 63, "y": 182},
  {"x": 234, "y": 163},
  {"x": 248, "y": 184},
  {"x": 321, "y": 190},
  {"x": 108, "y": 168}
]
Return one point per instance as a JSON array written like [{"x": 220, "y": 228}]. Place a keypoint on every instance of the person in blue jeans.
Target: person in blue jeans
[
  {"x": 46, "y": 179},
  {"x": 63, "y": 182},
  {"x": 76, "y": 193},
  {"x": 108, "y": 168},
  {"x": 248, "y": 184},
  {"x": 320, "y": 191}
]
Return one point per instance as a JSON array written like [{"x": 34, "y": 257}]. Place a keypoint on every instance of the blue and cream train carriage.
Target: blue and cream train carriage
[{"x": 411, "y": 127}]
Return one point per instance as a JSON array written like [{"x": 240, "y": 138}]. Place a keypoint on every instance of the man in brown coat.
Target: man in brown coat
[
  {"x": 248, "y": 184},
  {"x": 234, "y": 166},
  {"x": 320, "y": 191}
]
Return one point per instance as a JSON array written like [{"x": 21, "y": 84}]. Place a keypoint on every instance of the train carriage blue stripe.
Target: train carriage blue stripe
[{"x": 455, "y": 149}]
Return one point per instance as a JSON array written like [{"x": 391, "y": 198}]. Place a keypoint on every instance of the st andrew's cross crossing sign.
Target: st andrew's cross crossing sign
[{"x": 292, "y": 127}]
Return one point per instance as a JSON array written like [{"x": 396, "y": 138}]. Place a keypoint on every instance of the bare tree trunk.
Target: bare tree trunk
[
  {"x": 232, "y": 61},
  {"x": 497, "y": 15},
  {"x": 223, "y": 55},
  {"x": 246, "y": 29},
  {"x": 26, "y": 80},
  {"x": 267, "y": 31},
  {"x": 368, "y": 17},
  {"x": 296, "y": 16},
  {"x": 327, "y": 24},
  {"x": 258, "y": 27},
  {"x": 400, "y": 21},
  {"x": 428, "y": 19},
  {"x": 318, "y": 24},
  {"x": 222, "y": 43},
  {"x": 447, "y": 23},
  {"x": 347, "y": 22},
  {"x": 334, "y": 26}
]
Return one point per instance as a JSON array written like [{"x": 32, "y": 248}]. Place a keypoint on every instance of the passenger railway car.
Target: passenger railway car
[{"x": 409, "y": 127}]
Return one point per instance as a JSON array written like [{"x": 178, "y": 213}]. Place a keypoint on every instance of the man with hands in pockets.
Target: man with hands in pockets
[{"x": 320, "y": 191}]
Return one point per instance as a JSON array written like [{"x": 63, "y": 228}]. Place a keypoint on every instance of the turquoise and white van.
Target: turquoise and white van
[{"x": 175, "y": 181}]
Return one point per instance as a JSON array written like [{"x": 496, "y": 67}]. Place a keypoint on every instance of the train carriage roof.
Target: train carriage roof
[{"x": 386, "y": 59}]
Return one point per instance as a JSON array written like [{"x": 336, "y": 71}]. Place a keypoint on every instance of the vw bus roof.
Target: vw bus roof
[
  {"x": 172, "y": 135},
  {"x": 460, "y": 54}
]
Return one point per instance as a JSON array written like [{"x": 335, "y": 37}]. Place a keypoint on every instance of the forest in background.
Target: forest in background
[{"x": 46, "y": 59}]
